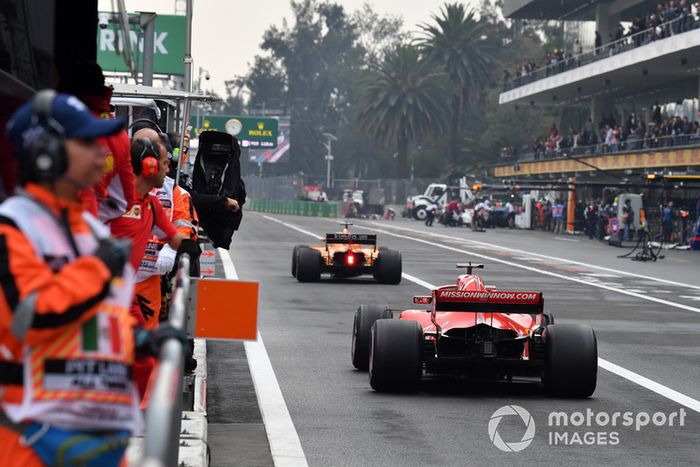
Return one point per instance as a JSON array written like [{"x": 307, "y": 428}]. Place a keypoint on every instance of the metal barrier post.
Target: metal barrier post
[{"x": 164, "y": 412}]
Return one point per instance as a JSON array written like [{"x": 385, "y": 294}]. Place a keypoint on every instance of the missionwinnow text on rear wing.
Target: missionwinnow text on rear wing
[
  {"x": 357, "y": 239},
  {"x": 490, "y": 301}
]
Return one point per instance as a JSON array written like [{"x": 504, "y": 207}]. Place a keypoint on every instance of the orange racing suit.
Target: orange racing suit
[{"x": 66, "y": 338}]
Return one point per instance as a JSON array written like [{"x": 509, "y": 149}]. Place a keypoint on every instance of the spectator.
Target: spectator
[
  {"x": 598, "y": 43},
  {"x": 615, "y": 139},
  {"x": 687, "y": 130},
  {"x": 678, "y": 130},
  {"x": 608, "y": 137},
  {"x": 619, "y": 33},
  {"x": 639, "y": 133},
  {"x": 695, "y": 133}
]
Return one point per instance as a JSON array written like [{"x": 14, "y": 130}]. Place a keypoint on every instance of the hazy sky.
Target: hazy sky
[{"x": 227, "y": 33}]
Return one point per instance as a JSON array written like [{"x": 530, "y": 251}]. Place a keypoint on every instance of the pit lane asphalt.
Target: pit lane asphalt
[{"x": 341, "y": 421}]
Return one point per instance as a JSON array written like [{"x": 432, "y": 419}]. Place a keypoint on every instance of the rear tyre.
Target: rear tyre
[
  {"x": 308, "y": 265},
  {"x": 547, "y": 318},
  {"x": 389, "y": 267},
  {"x": 571, "y": 360},
  {"x": 295, "y": 258},
  {"x": 395, "y": 361},
  {"x": 365, "y": 316}
]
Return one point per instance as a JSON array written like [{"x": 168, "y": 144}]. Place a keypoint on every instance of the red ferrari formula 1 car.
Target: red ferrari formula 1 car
[
  {"x": 346, "y": 255},
  {"x": 477, "y": 332}
]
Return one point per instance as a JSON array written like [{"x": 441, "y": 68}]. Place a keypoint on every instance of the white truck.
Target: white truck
[{"x": 440, "y": 194}]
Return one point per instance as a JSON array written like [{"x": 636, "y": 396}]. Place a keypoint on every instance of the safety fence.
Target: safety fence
[
  {"x": 665, "y": 30},
  {"x": 296, "y": 208},
  {"x": 631, "y": 144}
]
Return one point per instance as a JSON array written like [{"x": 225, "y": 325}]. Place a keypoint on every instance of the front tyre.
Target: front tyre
[
  {"x": 365, "y": 316},
  {"x": 395, "y": 360},
  {"x": 571, "y": 360}
]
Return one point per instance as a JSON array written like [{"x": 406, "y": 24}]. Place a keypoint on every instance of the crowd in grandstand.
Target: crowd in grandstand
[
  {"x": 609, "y": 135},
  {"x": 669, "y": 18}
]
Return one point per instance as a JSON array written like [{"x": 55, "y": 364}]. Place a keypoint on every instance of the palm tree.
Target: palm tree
[
  {"x": 458, "y": 42},
  {"x": 403, "y": 101}
]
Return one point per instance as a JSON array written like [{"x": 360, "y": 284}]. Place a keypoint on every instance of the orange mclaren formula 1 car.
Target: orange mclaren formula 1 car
[
  {"x": 475, "y": 332},
  {"x": 346, "y": 255}
]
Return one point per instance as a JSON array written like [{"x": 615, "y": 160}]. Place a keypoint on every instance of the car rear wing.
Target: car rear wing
[
  {"x": 357, "y": 239},
  {"x": 489, "y": 301}
]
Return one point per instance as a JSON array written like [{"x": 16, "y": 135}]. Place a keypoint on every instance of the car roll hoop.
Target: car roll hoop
[{"x": 469, "y": 266}]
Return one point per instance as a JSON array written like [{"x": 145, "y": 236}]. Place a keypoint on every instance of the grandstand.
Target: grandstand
[{"x": 647, "y": 79}]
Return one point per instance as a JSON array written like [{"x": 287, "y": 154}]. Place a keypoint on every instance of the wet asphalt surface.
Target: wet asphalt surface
[{"x": 341, "y": 421}]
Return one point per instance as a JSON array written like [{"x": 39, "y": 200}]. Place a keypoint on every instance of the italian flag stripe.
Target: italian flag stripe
[
  {"x": 114, "y": 333},
  {"x": 90, "y": 335}
]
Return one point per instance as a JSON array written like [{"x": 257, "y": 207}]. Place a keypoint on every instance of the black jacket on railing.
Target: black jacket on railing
[{"x": 216, "y": 177}]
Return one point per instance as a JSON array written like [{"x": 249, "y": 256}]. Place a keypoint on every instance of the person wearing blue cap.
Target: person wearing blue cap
[{"x": 67, "y": 396}]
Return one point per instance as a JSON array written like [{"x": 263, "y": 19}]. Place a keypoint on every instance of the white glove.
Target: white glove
[{"x": 166, "y": 260}]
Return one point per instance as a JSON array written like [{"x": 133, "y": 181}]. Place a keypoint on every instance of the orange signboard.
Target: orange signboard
[
  {"x": 640, "y": 160},
  {"x": 226, "y": 309}
]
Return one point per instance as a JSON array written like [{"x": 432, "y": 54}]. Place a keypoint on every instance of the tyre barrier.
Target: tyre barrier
[{"x": 295, "y": 208}]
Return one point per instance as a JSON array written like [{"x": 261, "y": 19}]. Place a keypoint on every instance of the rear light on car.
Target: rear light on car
[{"x": 350, "y": 259}]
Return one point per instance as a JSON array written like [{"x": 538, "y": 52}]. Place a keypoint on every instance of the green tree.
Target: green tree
[
  {"x": 459, "y": 42},
  {"x": 378, "y": 34},
  {"x": 402, "y": 101},
  {"x": 319, "y": 58}
]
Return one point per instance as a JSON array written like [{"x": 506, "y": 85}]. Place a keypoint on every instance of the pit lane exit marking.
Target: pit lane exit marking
[{"x": 555, "y": 258}]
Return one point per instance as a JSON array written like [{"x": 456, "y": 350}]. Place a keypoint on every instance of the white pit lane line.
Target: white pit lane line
[
  {"x": 600, "y": 285},
  {"x": 530, "y": 253},
  {"x": 285, "y": 446},
  {"x": 636, "y": 378}
]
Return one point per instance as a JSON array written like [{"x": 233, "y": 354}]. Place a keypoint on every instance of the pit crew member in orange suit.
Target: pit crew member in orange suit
[{"x": 66, "y": 335}]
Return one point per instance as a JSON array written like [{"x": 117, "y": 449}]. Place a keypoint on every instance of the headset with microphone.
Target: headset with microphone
[
  {"x": 46, "y": 157},
  {"x": 154, "y": 126},
  {"x": 145, "y": 162}
]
